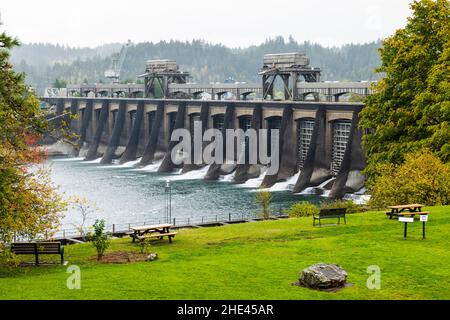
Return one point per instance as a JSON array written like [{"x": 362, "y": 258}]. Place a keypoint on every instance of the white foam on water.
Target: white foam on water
[
  {"x": 228, "y": 177},
  {"x": 58, "y": 148},
  {"x": 68, "y": 159},
  {"x": 307, "y": 191},
  {"x": 285, "y": 185},
  {"x": 151, "y": 167},
  {"x": 359, "y": 197},
  {"x": 326, "y": 193},
  {"x": 129, "y": 164},
  {"x": 323, "y": 184},
  {"x": 312, "y": 190},
  {"x": 119, "y": 177},
  {"x": 93, "y": 161},
  {"x": 254, "y": 183},
  {"x": 191, "y": 175}
]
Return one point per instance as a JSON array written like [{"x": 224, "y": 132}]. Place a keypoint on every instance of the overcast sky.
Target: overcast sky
[{"x": 230, "y": 22}]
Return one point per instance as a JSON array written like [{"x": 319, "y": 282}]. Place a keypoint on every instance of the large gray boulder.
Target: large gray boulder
[{"x": 323, "y": 276}]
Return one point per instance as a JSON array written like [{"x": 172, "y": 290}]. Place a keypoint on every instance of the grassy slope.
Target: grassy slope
[{"x": 258, "y": 261}]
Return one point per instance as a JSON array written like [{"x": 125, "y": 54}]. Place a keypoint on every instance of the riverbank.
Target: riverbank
[{"x": 257, "y": 261}]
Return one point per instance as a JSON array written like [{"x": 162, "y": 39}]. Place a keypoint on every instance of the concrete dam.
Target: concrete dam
[{"x": 319, "y": 141}]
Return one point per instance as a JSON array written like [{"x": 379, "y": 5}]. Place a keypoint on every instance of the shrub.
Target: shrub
[
  {"x": 144, "y": 246},
  {"x": 100, "y": 238},
  {"x": 264, "y": 198},
  {"x": 302, "y": 209},
  {"x": 423, "y": 178},
  {"x": 347, "y": 204},
  {"x": 85, "y": 208},
  {"x": 7, "y": 258}
]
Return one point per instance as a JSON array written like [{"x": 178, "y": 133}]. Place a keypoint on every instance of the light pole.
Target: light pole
[{"x": 168, "y": 201}]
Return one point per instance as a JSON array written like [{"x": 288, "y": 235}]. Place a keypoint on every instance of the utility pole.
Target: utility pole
[{"x": 168, "y": 201}]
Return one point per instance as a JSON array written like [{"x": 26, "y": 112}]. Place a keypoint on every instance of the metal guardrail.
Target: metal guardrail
[{"x": 117, "y": 228}]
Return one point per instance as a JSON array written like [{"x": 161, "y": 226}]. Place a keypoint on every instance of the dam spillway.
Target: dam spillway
[{"x": 319, "y": 141}]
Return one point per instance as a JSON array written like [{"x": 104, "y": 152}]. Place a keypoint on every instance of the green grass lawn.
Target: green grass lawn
[{"x": 257, "y": 260}]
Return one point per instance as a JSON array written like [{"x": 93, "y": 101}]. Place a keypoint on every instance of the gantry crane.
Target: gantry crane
[{"x": 113, "y": 72}]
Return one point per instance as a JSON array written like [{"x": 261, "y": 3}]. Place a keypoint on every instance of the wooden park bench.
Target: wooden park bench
[
  {"x": 37, "y": 248},
  {"x": 170, "y": 235},
  {"x": 330, "y": 213}
]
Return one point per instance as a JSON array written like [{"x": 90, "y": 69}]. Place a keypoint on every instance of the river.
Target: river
[{"x": 124, "y": 194}]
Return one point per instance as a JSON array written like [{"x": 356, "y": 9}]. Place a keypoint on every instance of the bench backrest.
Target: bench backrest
[
  {"x": 332, "y": 212},
  {"x": 32, "y": 247}
]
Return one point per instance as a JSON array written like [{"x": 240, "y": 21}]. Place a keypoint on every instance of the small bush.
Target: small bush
[
  {"x": 100, "y": 239},
  {"x": 347, "y": 204},
  {"x": 7, "y": 257},
  {"x": 302, "y": 209},
  {"x": 423, "y": 178},
  {"x": 144, "y": 246}
]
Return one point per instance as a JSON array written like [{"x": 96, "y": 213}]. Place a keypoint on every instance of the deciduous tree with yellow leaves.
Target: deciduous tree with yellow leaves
[
  {"x": 29, "y": 205},
  {"x": 410, "y": 110}
]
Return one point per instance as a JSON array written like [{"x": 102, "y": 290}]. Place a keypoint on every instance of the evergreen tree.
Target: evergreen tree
[
  {"x": 59, "y": 83},
  {"x": 204, "y": 61}
]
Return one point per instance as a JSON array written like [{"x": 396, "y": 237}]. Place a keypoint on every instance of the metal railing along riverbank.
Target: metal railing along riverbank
[{"x": 182, "y": 222}]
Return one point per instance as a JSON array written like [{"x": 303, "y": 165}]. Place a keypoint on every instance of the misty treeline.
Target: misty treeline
[{"x": 44, "y": 63}]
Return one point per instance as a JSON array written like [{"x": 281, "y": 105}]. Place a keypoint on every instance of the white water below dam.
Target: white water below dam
[{"x": 126, "y": 194}]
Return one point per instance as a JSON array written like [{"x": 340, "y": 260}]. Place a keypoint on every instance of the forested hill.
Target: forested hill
[
  {"x": 206, "y": 62},
  {"x": 44, "y": 54}
]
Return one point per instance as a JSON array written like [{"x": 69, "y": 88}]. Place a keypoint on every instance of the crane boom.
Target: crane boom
[{"x": 114, "y": 71}]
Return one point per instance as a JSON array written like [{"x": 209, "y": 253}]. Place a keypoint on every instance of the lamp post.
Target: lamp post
[{"x": 168, "y": 201}]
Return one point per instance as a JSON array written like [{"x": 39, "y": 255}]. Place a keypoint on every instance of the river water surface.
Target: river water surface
[{"x": 124, "y": 194}]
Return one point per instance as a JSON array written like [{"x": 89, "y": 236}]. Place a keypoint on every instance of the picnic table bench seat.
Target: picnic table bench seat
[
  {"x": 405, "y": 213},
  {"x": 330, "y": 213},
  {"x": 37, "y": 248},
  {"x": 170, "y": 235},
  {"x": 405, "y": 209},
  {"x": 138, "y": 232},
  {"x": 413, "y": 214}
]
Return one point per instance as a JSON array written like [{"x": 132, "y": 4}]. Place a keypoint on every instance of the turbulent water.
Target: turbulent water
[{"x": 124, "y": 194}]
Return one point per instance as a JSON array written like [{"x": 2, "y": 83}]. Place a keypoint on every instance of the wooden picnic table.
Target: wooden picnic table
[
  {"x": 152, "y": 231},
  {"x": 396, "y": 210}
]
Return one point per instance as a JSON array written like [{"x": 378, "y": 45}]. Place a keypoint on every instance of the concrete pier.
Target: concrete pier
[{"x": 319, "y": 139}]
